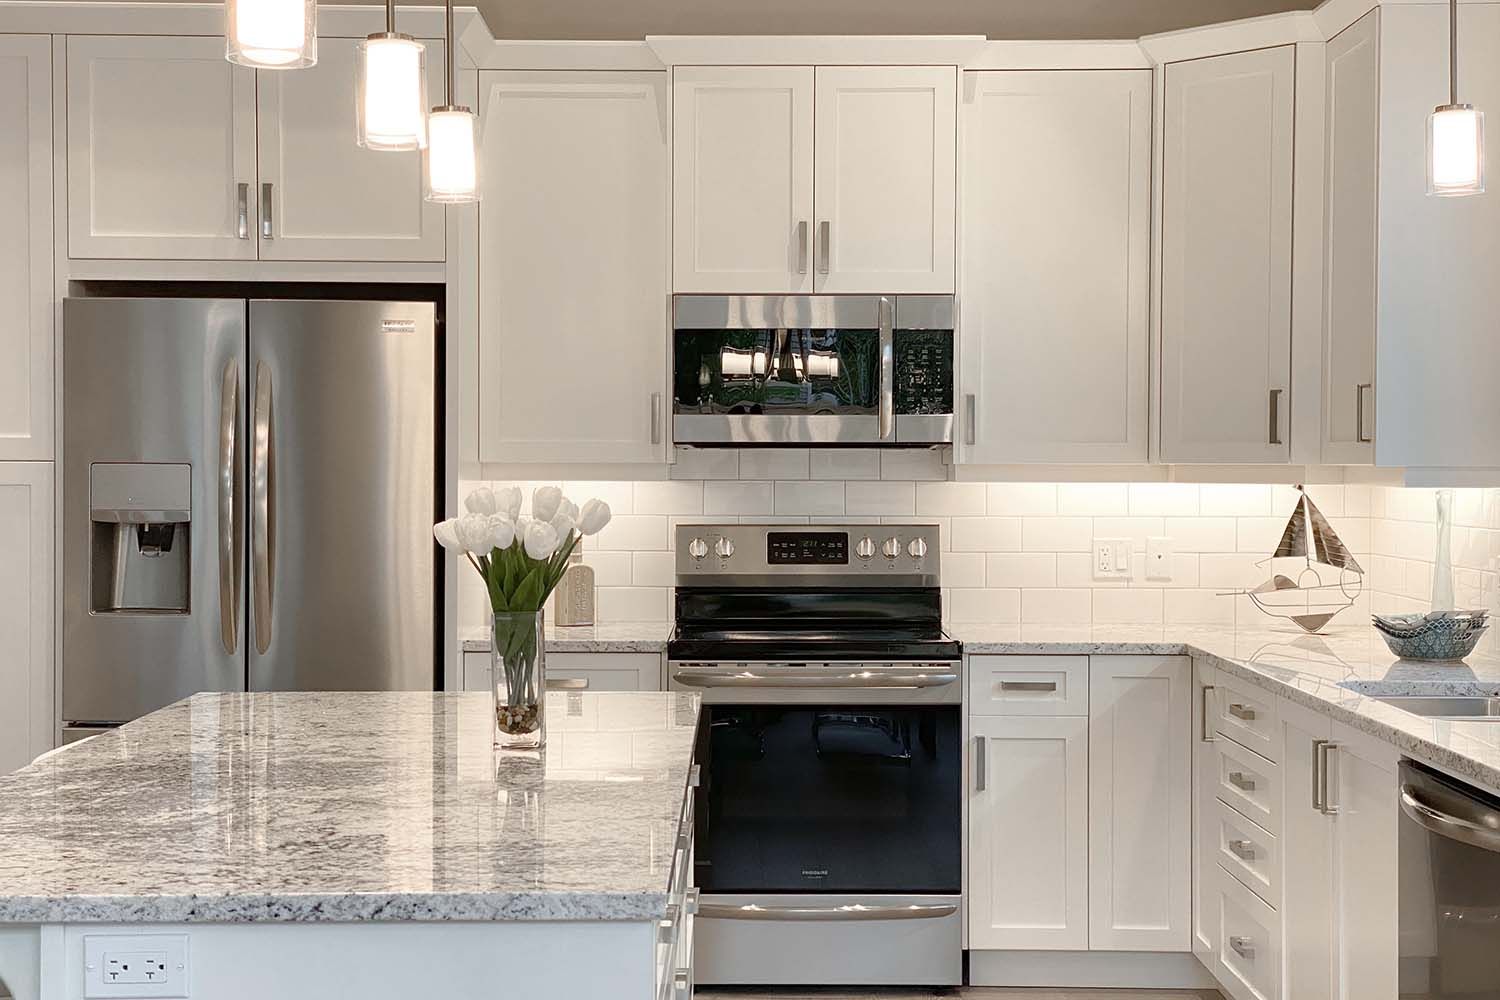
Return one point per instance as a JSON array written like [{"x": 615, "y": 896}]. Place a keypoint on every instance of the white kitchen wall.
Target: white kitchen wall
[
  {"x": 1012, "y": 552},
  {"x": 1403, "y": 528}
]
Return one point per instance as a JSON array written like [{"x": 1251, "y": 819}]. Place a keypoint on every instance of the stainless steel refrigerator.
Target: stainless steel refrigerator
[{"x": 249, "y": 489}]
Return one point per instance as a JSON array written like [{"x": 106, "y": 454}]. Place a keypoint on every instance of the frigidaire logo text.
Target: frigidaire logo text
[{"x": 815, "y": 873}]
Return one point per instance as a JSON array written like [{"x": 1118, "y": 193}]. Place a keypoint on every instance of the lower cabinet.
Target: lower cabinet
[
  {"x": 579, "y": 671},
  {"x": 27, "y": 724}
]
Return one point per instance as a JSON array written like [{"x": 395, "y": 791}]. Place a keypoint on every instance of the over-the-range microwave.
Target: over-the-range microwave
[{"x": 874, "y": 370}]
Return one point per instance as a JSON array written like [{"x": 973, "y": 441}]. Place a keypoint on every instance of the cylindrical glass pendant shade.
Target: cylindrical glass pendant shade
[
  {"x": 271, "y": 34},
  {"x": 1455, "y": 151},
  {"x": 391, "y": 92},
  {"x": 451, "y": 173}
]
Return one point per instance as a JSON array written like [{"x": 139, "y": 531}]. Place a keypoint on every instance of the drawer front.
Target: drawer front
[
  {"x": 1249, "y": 783},
  {"x": 1248, "y": 959},
  {"x": 1246, "y": 715},
  {"x": 1249, "y": 853},
  {"x": 1029, "y": 685}
]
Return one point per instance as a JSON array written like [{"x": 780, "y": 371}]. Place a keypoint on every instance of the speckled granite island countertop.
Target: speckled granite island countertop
[
  {"x": 352, "y": 807},
  {"x": 1339, "y": 674},
  {"x": 621, "y": 637}
]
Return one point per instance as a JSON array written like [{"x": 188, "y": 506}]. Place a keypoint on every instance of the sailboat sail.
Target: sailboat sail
[
  {"x": 1294, "y": 536},
  {"x": 1329, "y": 546}
]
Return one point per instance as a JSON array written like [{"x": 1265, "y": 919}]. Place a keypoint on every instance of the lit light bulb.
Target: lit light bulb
[
  {"x": 452, "y": 168},
  {"x": 392, "y": 92},
  {"x": 1455, "y": 151},
  {"x": 271, "y": 34}
]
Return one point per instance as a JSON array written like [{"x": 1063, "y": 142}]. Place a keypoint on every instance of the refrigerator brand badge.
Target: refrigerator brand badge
[
  {"x": 398, "y": 325},
  {"x": 815, "y": 873}
]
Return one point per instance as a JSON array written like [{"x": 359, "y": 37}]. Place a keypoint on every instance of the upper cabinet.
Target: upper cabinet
[
  {"x": 1056, "y": 244},
  {"x": 573, "y": 250},
  {"x": 164, "y": 162},
  {"x": 1226, "y": 258},
  {"x": 790, "y": 179},
  {"x": 26, "y": 247}
]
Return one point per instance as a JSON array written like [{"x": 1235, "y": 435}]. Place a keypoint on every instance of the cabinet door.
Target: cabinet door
[
  {"x": 572, "y": 267},
  {"x": 1205, "y": 798},
  {"x": 1365, "y": 834},
  {"x": 1351, "y": 204},
  {"x": 328, "y": 198},
  {"x": 1057, "y": 234},
  {"x": 161, "y": 149},
  {"x": 26, "y": 247},
  {"x": 742, "y": 179},
  {"x": 26, "y": 721},
  {"x": 1306, "y": 855},
  {"x": 1028, "y": 834},
  {"x": 887, "y": 141},
  {"x": 1226, "y": 266},
  {"x": 1140, "y": 803}
]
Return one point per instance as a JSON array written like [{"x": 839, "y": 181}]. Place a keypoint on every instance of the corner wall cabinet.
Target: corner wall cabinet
[
  {"x": 173, "y": 155},
  {"x": 573, "y": 313},
  {"x": 1056, "y": 255},
  {"x": 799, "y": 179},
  {"x": 27, "y": 723},
  {"x": 1226, "y": 258}
]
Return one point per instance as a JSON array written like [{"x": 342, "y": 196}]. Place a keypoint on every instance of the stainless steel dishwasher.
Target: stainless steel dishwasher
[{"x": 1450, "y": 888}]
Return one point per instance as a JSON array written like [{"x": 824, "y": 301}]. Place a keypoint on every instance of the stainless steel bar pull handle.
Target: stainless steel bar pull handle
[
  {"x": 1238, "y": 780},
  {"x": 971, "y": 418},
  {"x": 229, "y": 570},
  {"x": 1028, "y": 685},
  {"x": 1323, "y": 776},
  {"x": 260, "y": 542},
  {"x": 825, "y": 234},
  {"x": 1479, "y": 827},
  {"x": 886, "y": 319},
  {"x": 981, "y": 751},
  {"x": 802, "y": 247},
  {"x": 1241, "y": 712},
  {"x": 242, "y": 211},
  {"x": 851, "y": 911},
  {"x": 567, "y": 683},
  {"x": 1242, "y": 849},
  {"x": 1243, "y": 947},
  {"x": 1206, "y": 729},
  {"x": 1359, "y": 412},
  {"x": 656, "y": 418},
  {"x": 267, "y": 210},
  {"x": 1275, "y": 435}
]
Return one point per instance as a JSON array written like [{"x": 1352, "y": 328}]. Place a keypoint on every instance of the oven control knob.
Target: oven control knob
[
  {"x": 724, "y": 548},
  {"x": 697, "y": 548},
  {"x": 892, "y": 547},
  {"x": 916, "y": 548},
  {"x": 865, "y": 547}
]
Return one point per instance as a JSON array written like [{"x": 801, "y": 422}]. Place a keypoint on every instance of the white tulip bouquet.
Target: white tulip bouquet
[{"x": 521, "y": 560}]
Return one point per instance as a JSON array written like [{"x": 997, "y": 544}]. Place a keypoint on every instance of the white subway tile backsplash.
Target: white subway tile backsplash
[
  {"x": 1234, "y": 500},
  {"x": 1057, "y": 534},
  {"x": 1093, "y": 499},
  {"x": 1201, "y": 534},
  {"x": 1076, "y": 570},
  {"x": 1021, "y": 569},
  {"x": 880, "y": 499},
  {"x": 809, "y": 498},
  {"x": 634, "y": 604},
  {"x": 611, "y": 569},
  {"x": 633, "y": 532},
  {"x": 706, "y": 463},
  {"x": 963, "y": 569},
  {"x": 774, "y": 463},
  {"x": 1259, "y": 534},
  {"x": 843, "y": 463},
  {"x": 653, "y": 569},
  {"x": 1128, "y": 607},
  {"x": 737, "y": 499},
  {"x": 1021, "y": 499},
  {"x": 1056, "y": 607},
  {"x": 967, "y": 499},
  {"x": 619, "y": 496},
  {"x": 1001, "y": 607},
  {"x": 1137, "y": 529},
  {"x": 912, "y": 463},
  {"x": 987, "y": 534},
  {"x": 1231, "y": 571},
  {"x": 1164, "y": 499},
  {"x": 1197, "y": 607},
  {"x": 669, "y": 497}
]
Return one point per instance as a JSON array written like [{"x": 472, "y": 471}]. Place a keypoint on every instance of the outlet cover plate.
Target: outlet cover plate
[
  {"x": 104, "y": 951},
  {"x": 1111, "y": 557}
]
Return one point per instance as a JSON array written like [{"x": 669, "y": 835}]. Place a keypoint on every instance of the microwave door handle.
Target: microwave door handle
[{"x": 887, "y": 368}]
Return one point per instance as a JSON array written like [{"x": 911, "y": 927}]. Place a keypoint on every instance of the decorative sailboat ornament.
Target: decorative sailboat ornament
[{"x": 1314, "y": 596}]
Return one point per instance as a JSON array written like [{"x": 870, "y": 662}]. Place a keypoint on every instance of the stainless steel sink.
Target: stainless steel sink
[{"x": 1473, "y": 709}]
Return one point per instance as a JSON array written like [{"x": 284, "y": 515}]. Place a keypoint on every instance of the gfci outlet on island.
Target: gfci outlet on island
[{"x": 137, "y": 966}]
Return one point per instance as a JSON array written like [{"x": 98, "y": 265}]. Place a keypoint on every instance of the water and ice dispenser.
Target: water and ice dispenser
[{"x": 140, "y": 523}]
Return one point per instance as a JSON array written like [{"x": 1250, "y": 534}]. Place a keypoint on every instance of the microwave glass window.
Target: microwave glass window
[{"x": 776, "y": 371}]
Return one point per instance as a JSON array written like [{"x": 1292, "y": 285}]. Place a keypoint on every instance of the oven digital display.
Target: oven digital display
[{"x": 818, "y": 548}]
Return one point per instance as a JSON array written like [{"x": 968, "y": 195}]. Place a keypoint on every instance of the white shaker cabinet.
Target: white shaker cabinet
[
  {"x": 322, "y": 197},
  {"x": 27, "y": 724},
  {"x": 573, "y": 248},
  {"x": 161, "y": 149},
  {"x": 1363, "y": 793},
  {"x": 885, "y": 185},
  {"x": 1205, "y": 834},
  {"x": 26, "y": 247},
  {"x": 1226, "y": 258},
  {"x": 1140, "y": 803},
  {"x": 1306, "y": 857},
  {"x": 1057, "y": 235},
  {"x": 1028, "y": 833},
  {"x": 742, "y": 179}
]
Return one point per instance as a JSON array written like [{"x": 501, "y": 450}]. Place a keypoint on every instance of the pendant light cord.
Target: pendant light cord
[
  {"x": 448, "y": 53},
  {"x": 390, "y": 17},
  {"x": 1453, "y": 52}
]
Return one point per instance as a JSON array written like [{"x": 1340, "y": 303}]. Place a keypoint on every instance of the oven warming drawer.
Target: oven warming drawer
[{"x": 870, "y": 946}]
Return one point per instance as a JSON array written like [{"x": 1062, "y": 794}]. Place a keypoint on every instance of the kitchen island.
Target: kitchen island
[{"x": 354, "y": 844}]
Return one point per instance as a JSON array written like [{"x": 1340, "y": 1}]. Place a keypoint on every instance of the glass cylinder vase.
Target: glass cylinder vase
[{"x": 518, "y": 680}]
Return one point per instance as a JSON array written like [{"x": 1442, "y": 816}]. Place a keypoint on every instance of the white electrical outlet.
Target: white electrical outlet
[
  {"x": 1111, "y": 559},
  {"x": 135, "y": 966},
  {"x": 1159, "y": 558}
]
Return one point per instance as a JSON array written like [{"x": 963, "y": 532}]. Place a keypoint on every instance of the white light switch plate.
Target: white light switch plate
[
  {"x": 1158, "y": 558},
  {"x": 1111, "y": 558},
  {"x": 135, "y": 966}
]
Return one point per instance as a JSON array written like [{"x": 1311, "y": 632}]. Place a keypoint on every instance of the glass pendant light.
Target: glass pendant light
[
  {"x": 391, "y": 92},
  {"x": 1455, "y": 134},
  {"x": 451, "y": 173},
  {"x": 271, "y": 34}
]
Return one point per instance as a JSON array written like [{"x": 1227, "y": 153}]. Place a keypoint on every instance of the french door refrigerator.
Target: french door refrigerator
[{"x": 249, "y": 489}]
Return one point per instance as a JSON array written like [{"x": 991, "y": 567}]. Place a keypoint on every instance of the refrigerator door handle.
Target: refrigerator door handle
[
  {"x": 229, "y": 576},
  {"x": 260, "y": 543}
]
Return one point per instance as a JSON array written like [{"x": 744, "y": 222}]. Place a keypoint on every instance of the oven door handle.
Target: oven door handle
[
  {"x": 894, "y": 911},
  {"x": 690, "y": 677}
]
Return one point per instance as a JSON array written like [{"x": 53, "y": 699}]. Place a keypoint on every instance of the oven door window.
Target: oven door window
[
  {"x": 793, "y": 372},
  {"x": 859, "y": 799}
]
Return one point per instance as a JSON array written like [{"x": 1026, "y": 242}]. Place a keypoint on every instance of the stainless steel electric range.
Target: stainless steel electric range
[{"x": 829, "y": 809}]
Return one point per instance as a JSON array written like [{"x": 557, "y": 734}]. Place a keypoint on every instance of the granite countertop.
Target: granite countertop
[
  {"x": 352, "y": 806},
  {"x": 623, "y": 637},
  {"x": 1338, "y": 674}
]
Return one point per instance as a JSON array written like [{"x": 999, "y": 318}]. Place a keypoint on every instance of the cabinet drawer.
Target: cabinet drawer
[
  {"x": 1029, "y": 685},
  {"x": 1247, "y": 960},
  {"x": 1248, "y": 852},
  {"x": 1247, "y": 716},
  {"x": 1249, "y": 783}
]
